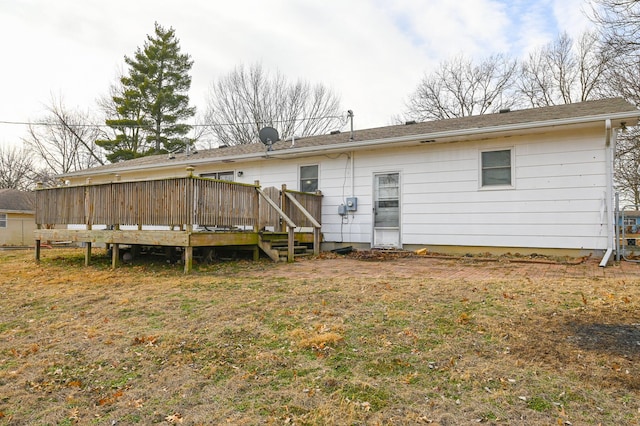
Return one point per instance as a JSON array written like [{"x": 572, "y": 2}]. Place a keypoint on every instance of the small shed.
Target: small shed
[{"x": 17, "y": 217}]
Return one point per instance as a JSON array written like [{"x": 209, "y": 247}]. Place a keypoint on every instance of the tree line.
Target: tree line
[{"x": 147, "y": 108}]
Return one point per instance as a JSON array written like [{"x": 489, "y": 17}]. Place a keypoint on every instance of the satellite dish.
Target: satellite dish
[{"x": 269, "y": 136}]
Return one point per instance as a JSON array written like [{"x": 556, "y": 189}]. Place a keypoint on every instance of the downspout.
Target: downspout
[{"x": 609, "y": 146}]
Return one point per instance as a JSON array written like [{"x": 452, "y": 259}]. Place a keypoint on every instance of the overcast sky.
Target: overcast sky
[{"x": 372, "y": 53}]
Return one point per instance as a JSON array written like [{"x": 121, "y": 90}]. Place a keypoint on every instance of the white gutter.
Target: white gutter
[
  {"x": 350, "y": 145},
  {"x": 609, "y": 146}
]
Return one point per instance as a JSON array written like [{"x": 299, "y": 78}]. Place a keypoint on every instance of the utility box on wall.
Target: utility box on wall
[{"x": 352, "y": 204}]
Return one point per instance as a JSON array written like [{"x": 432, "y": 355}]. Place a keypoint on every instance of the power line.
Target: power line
[{"x": 248, "y": 123}]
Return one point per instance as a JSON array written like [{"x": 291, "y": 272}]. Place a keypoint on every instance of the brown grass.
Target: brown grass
[{"x": 323, "y": 341}]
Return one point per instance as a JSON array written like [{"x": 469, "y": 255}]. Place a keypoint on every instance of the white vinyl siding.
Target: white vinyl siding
[
  {"x": 556, "y": 199},
  {"x": 561, "y": 184}
]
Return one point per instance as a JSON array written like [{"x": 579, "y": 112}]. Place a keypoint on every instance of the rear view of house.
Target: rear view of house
[
  {"x": 17, "y": 217},
  {"x": 535, "y": 180}
]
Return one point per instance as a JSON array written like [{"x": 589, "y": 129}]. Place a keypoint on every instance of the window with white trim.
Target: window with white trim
[
  {"x": 219, "y": 175},
  {"x": 3, "y": 220},
  {"x": 309, "y": 178},
  {"x": 496, "y": 168}
]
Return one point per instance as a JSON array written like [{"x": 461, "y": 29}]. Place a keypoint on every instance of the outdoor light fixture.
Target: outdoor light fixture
[{"x": 240, "y": 173}]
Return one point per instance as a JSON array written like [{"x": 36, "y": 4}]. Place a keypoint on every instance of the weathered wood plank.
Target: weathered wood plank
[
  {"x": 152, "y": 238},
  {"x": 205, "y": 239}
]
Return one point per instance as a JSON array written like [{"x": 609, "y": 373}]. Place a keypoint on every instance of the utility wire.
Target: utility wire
[{"x": 51, "y": 124}]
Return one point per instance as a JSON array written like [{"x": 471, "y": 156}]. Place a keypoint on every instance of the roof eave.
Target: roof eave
[{"x": 432, "y": 137}]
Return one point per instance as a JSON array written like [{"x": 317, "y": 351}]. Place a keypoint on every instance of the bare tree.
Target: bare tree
[
  {"x": 246, "y": 100},
  {"x": 619, "y": 22},
  {"x": 64, "y": 140},
  {"x": 627, "y": 164},
  {"x": 460, "y": 88},
  {"x": 563, "y": 72},
  {"x": 16, "y": 168}
]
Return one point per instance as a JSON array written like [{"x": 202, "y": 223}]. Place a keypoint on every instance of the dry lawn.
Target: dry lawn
[{"x": 344, "y": 340}]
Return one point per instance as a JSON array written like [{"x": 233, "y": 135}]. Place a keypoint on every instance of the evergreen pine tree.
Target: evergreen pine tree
[{"x": 153, "y": 100}]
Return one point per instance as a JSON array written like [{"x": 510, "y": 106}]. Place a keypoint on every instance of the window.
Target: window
[
  {"x": 219, "y": 175},
  {"x": 3, "y": 220},
  {"x": 309, "y": 178},
  {"x": 496, "y": 168}
]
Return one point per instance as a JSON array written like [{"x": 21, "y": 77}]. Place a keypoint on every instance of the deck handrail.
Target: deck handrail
[
  {"x": 161, "y": 202},
  {"x": 277, "y": 208},
  {"x": 292, "y": 225},
  {"x": 304, "y": 211},
  {"x": 179, "y": 201}
]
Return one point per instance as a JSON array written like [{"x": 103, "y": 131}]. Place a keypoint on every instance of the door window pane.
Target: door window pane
[{"x": 387, "y": 201}]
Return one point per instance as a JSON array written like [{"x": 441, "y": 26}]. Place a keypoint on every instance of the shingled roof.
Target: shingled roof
[
  {"x": 590, "y": 110},
  {"x": 16, "y": 201}
]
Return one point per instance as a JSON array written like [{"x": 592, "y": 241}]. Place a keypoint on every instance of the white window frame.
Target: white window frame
[
  {"x": 3, "y": 220},
  {"x": 512, "y": 185},
  {"x": 317, "y": 166},
  {"x": 218, "y": 175}
]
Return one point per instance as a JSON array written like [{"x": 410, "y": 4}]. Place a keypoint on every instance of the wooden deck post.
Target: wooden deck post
[
  {"x": 115, "y": 255},
  {"x": 316, "y": 241},
  {"x": 39, "y": 185},
  {"x": 283, "y": 205},
  {"x": 188, "y": 259},
  {"x": 291, "y": 242},
  {"x": 87, "y": 254},
  {"x": 256, "y": 209},
  {"x": 88, "y": 214}
]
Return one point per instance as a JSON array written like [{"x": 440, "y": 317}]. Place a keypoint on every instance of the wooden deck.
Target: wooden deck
[{"x": 179, "y": 212}]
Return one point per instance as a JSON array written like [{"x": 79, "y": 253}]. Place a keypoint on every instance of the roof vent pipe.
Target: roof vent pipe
[{"x": 350, "y": 115}]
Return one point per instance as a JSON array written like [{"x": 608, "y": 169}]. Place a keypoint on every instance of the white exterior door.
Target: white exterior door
[{"x": 386, "y": 210}]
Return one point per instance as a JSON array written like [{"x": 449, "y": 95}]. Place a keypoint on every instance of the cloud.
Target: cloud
[{"x": 371, "y": 52}]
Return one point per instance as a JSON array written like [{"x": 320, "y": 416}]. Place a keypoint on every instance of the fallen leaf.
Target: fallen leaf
[
  {"x": 73, "y": 414},
  {"x": 174, "y": 418}
]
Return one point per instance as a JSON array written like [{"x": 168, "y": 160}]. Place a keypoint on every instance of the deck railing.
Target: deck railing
[{"x": 179, "y": 202}]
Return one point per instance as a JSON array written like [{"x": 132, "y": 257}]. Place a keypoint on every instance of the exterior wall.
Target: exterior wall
[
  {"x": 19, "y": 230},
  {"x": 557, "y": 201}
]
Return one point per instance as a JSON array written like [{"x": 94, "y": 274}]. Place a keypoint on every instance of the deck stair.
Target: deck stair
[{"x": 276, "y": 247}]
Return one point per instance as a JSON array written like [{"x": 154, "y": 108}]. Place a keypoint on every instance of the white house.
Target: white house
[{"x": 534, "y": 180}]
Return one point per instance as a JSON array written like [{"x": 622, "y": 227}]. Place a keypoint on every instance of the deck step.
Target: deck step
[{"x": 277, "y": 247}]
